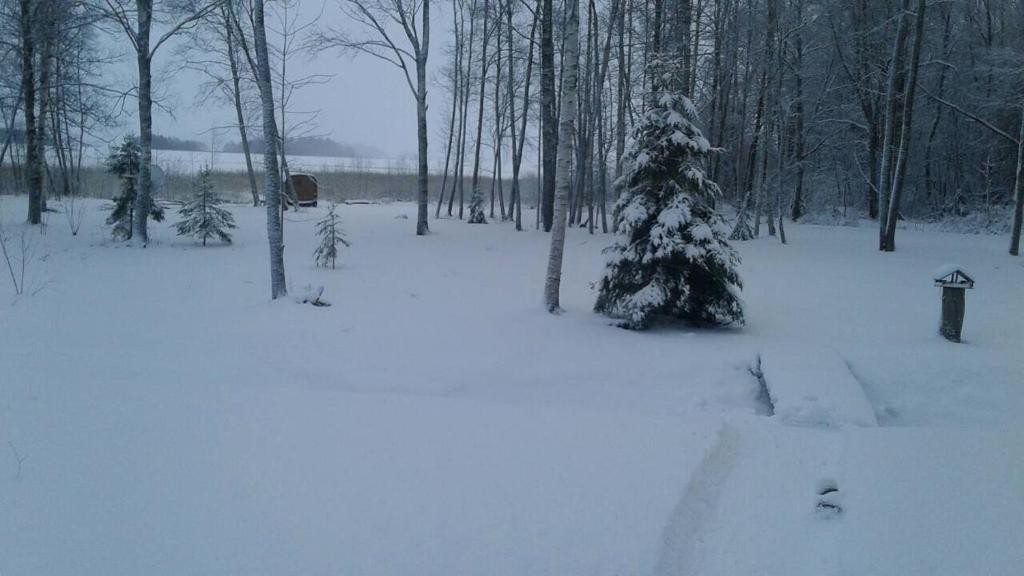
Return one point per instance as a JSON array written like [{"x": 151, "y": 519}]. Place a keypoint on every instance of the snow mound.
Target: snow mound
[{"x": 811, "y": 386}]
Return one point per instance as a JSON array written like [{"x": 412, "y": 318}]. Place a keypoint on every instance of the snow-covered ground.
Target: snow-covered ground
[{"x": 158, "y": 415}]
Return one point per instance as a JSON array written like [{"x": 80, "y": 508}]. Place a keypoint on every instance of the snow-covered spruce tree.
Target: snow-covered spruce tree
[
  {"x": 476, "y": 208},
  {"x": 201, "y": 216},
  {"x": 742, "y": 230},
  {"x": 123, "y": 162},
  {"x": 671, "y": 258},
  {"x": 328, "y": 229}
]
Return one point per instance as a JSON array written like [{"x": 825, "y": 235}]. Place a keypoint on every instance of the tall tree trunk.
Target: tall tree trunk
[
  {"x": 683, "y": 22},
  {"x": 549, "y": 113},
  {"x": 797, "y": 208},
  {"x": 620, "y": 92},
  {"x": 423, "y": 179},
  {"x": 780, "y": 121},
  {"x": 656, "y": 41},
  {"x": 451, "y": 122},
  {"x": 929, "y": 180},
  {"x": 282, "y": 130},
  {"x": 693, "y": 64},
  {"x": 499, "y": 121},
  {"x": 519, "y": 146},
  {"x": 28, "y": 86},
  {"x": 465, "y": 117},
  {"x": 570, "y": 78},
  {"x": 1018, "y": 191},
  {"x": 585, "y": 134},
  {"x": 511, "y": 97},
  {"x": 271, "y": 171},
  {"x": 893, "y": 84},
  {"x": 236, "y": 92},
  {"x": 44, "y": 19},
  {"x": 748, "y": 183},
  {"x": 144, "y": 187},
  {"x": 9, "y": 129},
  {"x": 476, "y": 215},
  {"x": 889, "y": 240},
  {"x": 598, "y": 111},
  {"x": 60, "y": 128},
  {"x": 602, "y": 175}
]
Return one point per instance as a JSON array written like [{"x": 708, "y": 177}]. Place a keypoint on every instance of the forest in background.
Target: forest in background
[{"x": 827, "y": 107}]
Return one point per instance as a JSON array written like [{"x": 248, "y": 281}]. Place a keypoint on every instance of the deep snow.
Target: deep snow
[{"x": 158, "y": 415}]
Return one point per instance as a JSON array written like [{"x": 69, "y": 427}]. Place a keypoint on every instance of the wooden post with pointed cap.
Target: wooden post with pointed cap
[{"x": 954, "y": 283}]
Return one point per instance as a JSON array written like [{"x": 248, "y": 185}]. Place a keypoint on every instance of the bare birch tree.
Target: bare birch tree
[
  {"x": 136, "y": 19},
  {"x": 271, "y": 170},
  {"x": 381, "y": 18},
  {"x": 566, "y": 131}
]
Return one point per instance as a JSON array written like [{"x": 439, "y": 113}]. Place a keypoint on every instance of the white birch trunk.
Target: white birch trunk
[
  {"x": 567, "y": 121},
  {"x": 884, "y": 184},
  {"x": 271, "y": 171}
]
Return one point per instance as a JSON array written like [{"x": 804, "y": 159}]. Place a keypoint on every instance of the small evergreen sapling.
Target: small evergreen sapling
[
  {"x": 123, "y": 162},
  {"x": 201, "y": 216},
  {"x": 742, "y": 230},
  {"x": 476, "y": 208},
  {"x": 328, "y": 229},
  {"x": 671, "y": 258}
]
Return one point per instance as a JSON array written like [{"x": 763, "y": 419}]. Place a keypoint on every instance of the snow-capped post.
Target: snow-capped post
[{"x": 954, "y": 282}]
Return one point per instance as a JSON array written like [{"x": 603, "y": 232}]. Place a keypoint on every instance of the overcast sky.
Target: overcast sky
[{"x": 367, "y": 102}]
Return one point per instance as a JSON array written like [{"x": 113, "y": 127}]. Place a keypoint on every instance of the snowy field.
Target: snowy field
[
  {"x": 160, "y": 416},
  {"x": 186, "y": 162},
  {"x": 189, "y": 162}
]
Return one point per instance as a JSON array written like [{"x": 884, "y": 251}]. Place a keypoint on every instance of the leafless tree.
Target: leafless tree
[
  {"x": 567, "y": 128},
  {"x": 271, "y": 170},
  {"x": 384, "y": 22},
  {"x": 136, "y": 19}
]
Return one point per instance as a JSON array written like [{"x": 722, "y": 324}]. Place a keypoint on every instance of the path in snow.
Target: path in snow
[
  {"x": 819, "y": 489},
  {"x": 813, "y": 386},
  {"x": 687, "y": 526}
]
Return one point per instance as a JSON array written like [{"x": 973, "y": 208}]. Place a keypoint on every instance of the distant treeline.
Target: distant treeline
[
  {"x": 310, "y": 146},
  {"x": 161, "y": 142}
]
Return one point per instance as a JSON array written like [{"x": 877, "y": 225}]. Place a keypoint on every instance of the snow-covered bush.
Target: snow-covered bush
[
  {"x": 201, "y": 215},
  {"x": 671, "y": 258},
  {"x": 123, "y": 162},
  {"x": 312, "y": 295},
  {"x": 328, "y": 229}
]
